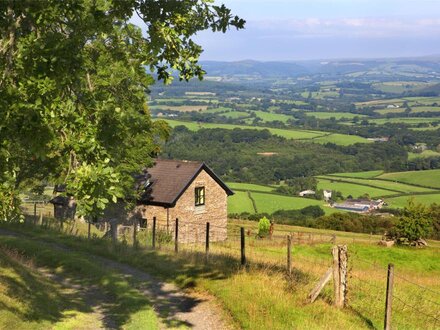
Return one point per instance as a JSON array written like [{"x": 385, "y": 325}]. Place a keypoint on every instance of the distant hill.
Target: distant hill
[
  {"x": 421, "y": 68},
  {"x": 254, "y": 68}
]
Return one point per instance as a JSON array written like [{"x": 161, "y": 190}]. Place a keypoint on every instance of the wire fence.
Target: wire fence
[{"x": 414, "y": 305}]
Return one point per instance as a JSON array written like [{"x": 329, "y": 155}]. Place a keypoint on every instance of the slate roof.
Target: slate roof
[
  {"x": 60, "y": 200},
  {"x": 167, "y": 180}
]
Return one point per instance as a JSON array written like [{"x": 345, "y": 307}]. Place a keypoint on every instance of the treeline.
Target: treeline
[
  {"x": 241, "y": 155},
  {"x": 313, "y": 217}
]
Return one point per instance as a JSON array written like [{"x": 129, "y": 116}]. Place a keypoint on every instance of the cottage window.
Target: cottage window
[{"x": 200, "y": 196}]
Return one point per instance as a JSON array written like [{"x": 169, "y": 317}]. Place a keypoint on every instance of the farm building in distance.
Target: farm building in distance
[
  {"x": 189, "y": 191},
  {"x": 359, "y": 205},
  {"x": 306, "y": 193}
]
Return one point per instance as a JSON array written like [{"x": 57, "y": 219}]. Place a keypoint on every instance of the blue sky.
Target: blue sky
[{"x": 322, "y": 29}]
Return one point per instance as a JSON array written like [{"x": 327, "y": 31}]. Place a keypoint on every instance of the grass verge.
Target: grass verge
[{"x": 126, "y": 307}]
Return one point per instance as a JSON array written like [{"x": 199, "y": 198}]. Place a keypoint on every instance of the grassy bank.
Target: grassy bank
[
  {"x": 34, "y": 302},
  {"x": 261, "y": 297}
]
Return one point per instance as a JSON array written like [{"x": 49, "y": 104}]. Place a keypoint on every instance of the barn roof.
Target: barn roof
[{"x": 167, "y": 180}]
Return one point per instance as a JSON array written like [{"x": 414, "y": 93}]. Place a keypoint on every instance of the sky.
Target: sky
[{"x": 289, "y": 30}]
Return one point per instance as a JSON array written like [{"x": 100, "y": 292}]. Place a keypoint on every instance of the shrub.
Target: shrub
[
  {"x": 415, "y": 223},
  {"x": 263, "y": 227}
]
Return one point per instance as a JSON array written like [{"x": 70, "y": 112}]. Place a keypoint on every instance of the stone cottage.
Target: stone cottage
[{"x": 189, "y": 191}]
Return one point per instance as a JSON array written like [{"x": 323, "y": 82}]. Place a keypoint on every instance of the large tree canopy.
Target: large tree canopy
[{"x": 73, "y": 89}]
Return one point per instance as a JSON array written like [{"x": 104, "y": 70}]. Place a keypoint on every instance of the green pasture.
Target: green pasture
[
  {"x": 235, "y": 114},
  {"x": 312, "y": 136},
  {"x": 427, "y": 128},
  {"x": 380, "y": 102},
  {"x": 336, "y": 115},
  {"x": 399, "y": 87},
  {"x": 366, "y": 174},
  {"x": 396, "y": 186},
  {"x": 341, "y": 139},
  {"x": 353, "y": 189},
  {"x": 269, "y": 116},
  {"x": 402, "y": 201},
  {"x": 166, "y": 100},
  {"x": 412, "y": 101},
  {"x": 249, "y": 186},
  {"x": 428, "y": 178},
  {"x": 269, "y": 203},
  {"x": 293, "y": 102},
  {"x": 423, "y": 154},
  {"x": 239, "y": 203},
  {"x": 217, "y": 109},
  {"x": 391, "y": 110},
  {"x": 425, "y": 109},
  {"x": 403, "y": 120},
  {"x": 321, "y": 94},
  {"x": 180, "y": 108}
]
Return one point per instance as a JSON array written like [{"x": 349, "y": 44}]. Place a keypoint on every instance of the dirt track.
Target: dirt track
[{"x": 175, "y": 308}]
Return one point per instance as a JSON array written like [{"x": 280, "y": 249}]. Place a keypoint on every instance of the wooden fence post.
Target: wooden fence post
[
  {"x": 389, "y": 297},
  {"x": 243, "y": 254},
  {"x": 153, "y": 243},
  {"x": 207, "y": 241},
  {"x": 289, "y": 255},
  {"x": 35, "y": 210},
  {"x": 40, "y": 220},
  {"x": 114, "y": 230},
  {"x": 340, "y": 274},
  {"x": 176, "y": 237},
  {"x": 89, "y": 225},
  {"x": 135, "y": 227}
]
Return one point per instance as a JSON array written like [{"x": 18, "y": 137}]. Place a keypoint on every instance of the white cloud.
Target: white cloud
[{"x": 380, "y": 27}]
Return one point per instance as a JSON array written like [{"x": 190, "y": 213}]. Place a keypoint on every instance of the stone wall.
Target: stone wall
[{"x": 193, "y": 219}]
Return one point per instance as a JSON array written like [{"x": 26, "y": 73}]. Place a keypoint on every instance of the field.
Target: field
[
  {"x": 374, "y": 183},
  {"x": 313, "y": 136},
  {"x": 270, "y": 203},
  {"x": 265, "y": 201},
  {"x": 366, "y": 174},
  {"x": 423, "y": 154},
  {"x": 399, "y": 87},
  {"x": 412, "y": 101},
  {"x": 261, "y": 296},
  {"x": 391, "y": 110},
  {"x": 269, "y": 116},
  {"x": 386, "y": 185},
  {"x": 354, "y": 190},
  {"x": 249, "y": 187},
  {"x": 181, "y": 108},
  {"x": 336, "y": 115},
  {"x": 401, "y": 202},
  {"x": 425, "y": 109},
  {"x": 404, "y": 120},
  {"x": 235, "y": 114},
  {"x": 429, "y": 178},
  {"x": 239, "y": 203}
]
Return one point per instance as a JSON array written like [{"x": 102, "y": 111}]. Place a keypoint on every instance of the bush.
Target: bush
[
  {"x": 263, "y": 227},
  {"x": 415, "y": 223}
]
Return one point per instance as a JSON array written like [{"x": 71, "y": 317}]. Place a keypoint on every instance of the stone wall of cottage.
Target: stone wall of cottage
[{"x": 193, "y": 219}]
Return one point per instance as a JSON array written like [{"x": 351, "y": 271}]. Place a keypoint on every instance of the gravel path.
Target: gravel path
[
  {"x": 176, "y": 308},
  {"x": 92, "y": 297}
]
